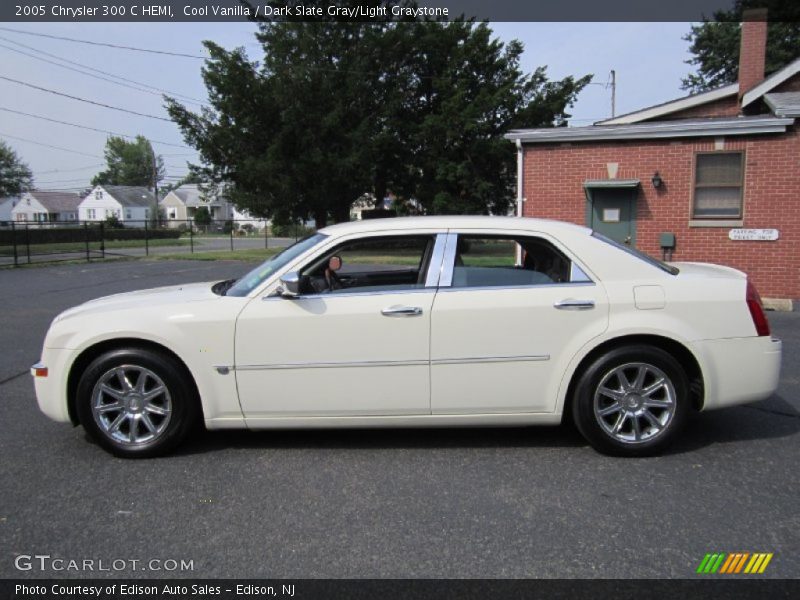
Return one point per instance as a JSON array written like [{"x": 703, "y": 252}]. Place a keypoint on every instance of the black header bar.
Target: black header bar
[{"x": 39, "y": 11}]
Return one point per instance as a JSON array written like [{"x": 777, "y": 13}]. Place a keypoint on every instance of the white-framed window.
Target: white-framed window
[
  {"x": 98, "y": 195},
  {"x": 172, "y": 213},
  {"x": 21, "y": 217},
  {"x": 90, "y": 214},
  {"x": 128, "y": 214},
  {"x": 718, "y": 185}
]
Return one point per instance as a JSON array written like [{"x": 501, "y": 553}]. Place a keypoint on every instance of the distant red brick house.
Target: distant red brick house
[{"x": 713, "y": 169}]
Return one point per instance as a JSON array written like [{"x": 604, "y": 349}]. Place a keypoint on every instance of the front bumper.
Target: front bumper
[{"x": 51, "y": 385}]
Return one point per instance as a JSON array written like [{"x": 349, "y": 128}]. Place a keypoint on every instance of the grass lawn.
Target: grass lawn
[{"x": 252, "y": 255}]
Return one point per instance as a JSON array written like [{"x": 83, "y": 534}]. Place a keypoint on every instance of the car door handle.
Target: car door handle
[
  {"x": 402, "y": 311},
  {"x": 571, "y": 304}
]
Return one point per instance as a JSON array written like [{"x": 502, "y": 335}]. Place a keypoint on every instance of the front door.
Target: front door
[
  {"x": 612, "y": 213},
  {"x": 355, "y": 342}
]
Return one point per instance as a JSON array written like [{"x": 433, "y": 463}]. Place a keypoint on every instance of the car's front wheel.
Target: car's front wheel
[
  {"x": 632, "y": 401},
  {"x": 136, "y": 402}
]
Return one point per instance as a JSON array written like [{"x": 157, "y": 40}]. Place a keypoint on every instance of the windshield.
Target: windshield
[
  {"x": 263, "y": 271},
  {"x": 638, "y": 254}
]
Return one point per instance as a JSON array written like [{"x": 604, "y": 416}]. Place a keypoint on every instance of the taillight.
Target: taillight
[{"x": 757, "y": 310}]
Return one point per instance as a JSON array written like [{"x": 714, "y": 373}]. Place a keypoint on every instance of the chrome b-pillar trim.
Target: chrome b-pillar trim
[
  {"x": 446, "y": 279},
  {"x": 435, "y": 264}
]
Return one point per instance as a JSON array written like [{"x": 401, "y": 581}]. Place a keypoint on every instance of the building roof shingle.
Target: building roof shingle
[
  {"x": 784, "y": 104},
  {"x": 57, "y": 202},
  {"x": 131, "y": 195},
  {"x": 191, "y": 195}
]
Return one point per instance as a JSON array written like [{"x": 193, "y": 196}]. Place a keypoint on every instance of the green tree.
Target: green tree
[
  {"x": 15, "y": 176},
  {"x": 202, "y": 217},
  {"x": 130, "y": 163},
  {"x": 336, "y": 110},
  {"x": 715, "y": 43}
]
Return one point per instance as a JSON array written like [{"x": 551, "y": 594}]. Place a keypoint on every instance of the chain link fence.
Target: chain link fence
[{"x": 28, "y": 242}]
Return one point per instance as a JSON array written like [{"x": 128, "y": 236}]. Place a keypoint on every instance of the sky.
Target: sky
[{"x": 648, "y": 59}]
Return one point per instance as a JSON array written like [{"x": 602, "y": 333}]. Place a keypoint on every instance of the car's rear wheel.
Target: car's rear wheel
[
  {"x": 136, "y": 402},
  {"x": 632, "y": 401}
]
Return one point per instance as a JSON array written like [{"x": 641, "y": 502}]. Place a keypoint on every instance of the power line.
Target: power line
[
  {"x": 119, "y": 47},
  {"x": 152, "y": 89},
  {"x": 49, "y": 91},
  {"x": 70, "y": 170},
  {"x": 13, "y": 137},
  {"x": 43, "y": 118},
  {"x": 120, "y": 83},
  {"x": 63, "y": 180}
]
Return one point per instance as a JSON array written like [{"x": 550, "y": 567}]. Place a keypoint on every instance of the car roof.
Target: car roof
[{"x": 454, "y": 222}]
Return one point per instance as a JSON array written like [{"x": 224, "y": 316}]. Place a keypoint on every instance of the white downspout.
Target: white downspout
[{"x": 520, "y": 175}]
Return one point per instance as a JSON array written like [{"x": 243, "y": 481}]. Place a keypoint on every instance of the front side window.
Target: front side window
[
  {"x": 370, "y": 265},
  {"x": 505, "y": 261},
  {"x": 90, "y": 214},
  {"x": 718, "y": 183}
]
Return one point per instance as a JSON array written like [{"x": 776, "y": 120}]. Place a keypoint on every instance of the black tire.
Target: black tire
[
  {"x": 647, "y": 421},
  {"x": 170, "y": 414}
]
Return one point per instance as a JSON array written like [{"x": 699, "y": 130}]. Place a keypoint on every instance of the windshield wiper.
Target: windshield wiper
[{"x": 222, "y": 287}]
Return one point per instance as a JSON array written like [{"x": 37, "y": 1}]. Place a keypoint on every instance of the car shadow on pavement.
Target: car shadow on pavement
[
  {"x": 769, "y": 419},
  {"x": 772, "y": 418},
  {"x": 372, "y": 439}
]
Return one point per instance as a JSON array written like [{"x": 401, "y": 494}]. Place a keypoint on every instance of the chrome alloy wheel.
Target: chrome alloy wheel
[
  {"x": 634, "y": 402},
  {"x": 131, "y": 405}
]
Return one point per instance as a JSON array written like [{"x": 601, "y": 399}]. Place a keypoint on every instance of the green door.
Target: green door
[{"x": 612, "y": 212}]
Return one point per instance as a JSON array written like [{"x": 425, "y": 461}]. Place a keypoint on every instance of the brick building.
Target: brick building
[{"x": 694, "y": 179}]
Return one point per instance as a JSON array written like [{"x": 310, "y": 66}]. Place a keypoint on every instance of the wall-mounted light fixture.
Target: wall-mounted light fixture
[{"x": 657, "y": 181}]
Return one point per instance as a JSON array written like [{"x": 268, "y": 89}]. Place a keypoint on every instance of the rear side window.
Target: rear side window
[
  {"x": 672, "y": 270},
  {"x": 502, "y": 261}
]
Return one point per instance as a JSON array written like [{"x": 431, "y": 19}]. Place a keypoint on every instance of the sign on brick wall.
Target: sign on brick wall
[{"x": 761, "y": 235}]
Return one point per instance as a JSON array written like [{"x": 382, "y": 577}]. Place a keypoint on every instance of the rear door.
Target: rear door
[{"x": 511, "y": 308}]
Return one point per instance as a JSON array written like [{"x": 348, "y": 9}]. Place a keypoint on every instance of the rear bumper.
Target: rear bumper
[{"x": 739, "y": 370}]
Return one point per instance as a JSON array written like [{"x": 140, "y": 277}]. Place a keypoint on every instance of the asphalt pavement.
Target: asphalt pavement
[{"x": 518, "y": 502}]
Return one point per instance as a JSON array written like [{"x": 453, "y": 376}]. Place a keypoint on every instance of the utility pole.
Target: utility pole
[
  {"x": 613, "y": 93},
  {"x": 155, "y": 184}
]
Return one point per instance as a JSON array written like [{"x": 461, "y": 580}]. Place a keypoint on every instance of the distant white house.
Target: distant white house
[
  {"x": 6, "y": 204},
  {"x": 43, "y": 207},
  {"x": 181, "y": 204},
  {"x": 132, "y": 205},
  {"x": 243, "y": 217}
]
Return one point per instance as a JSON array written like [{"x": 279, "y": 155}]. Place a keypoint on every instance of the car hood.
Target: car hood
[{"x": 163, "y": 296}]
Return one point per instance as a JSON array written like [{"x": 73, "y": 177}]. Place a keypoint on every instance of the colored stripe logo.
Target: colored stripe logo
[{"x": 734, "y": 563}]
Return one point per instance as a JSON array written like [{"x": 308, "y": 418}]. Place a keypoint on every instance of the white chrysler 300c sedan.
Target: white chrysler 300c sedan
[{"x": 428, "y": 321}]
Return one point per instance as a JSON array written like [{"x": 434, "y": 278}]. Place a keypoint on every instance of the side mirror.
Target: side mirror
[{"x": 290, "y": 285}]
